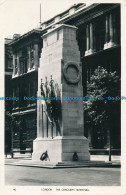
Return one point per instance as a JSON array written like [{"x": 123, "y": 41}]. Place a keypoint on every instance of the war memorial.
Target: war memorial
[
  {"x": 57, "y": 60},
  {"x": 61, "y": 73}
]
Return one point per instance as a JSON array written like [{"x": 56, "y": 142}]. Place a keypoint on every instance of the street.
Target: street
[{"x": 33, "y": 176}]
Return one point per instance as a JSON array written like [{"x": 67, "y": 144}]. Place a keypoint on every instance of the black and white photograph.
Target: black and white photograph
[{"x": 62, "y": 97}]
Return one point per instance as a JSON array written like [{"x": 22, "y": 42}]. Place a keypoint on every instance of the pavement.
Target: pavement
[
  {"x": 98, "y": 172},
  {"x": 82, "y": 176},
  {"x": 96, "y": 161}
]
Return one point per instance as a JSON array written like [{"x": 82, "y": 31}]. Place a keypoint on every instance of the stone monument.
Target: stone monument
[{"x": 60, "y": 128}]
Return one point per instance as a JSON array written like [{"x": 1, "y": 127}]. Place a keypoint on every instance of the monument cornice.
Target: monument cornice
[{"x": 57, "y": 27}]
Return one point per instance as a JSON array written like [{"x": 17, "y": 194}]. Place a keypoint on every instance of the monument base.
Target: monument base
[
  {"x": 61, "y": 149},
  {"x": 89, "y": 52},
  {"x": 109, "y": 45}
]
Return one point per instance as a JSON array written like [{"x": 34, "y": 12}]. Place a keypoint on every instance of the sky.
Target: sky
[{"x": 20, "y": 16}]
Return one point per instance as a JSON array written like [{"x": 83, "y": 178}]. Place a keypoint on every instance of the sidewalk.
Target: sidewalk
[
  {"x": 96, "y": 161},
  {"x": 114, "y": 158}
]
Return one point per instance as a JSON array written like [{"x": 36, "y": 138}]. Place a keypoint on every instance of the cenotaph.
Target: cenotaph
[{"x": 60, "y": 126}]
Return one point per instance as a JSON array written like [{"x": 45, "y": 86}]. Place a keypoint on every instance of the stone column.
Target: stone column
[
  {"x": 36, "y": 57},
  {"x": 111, "y": 27},
  {"x": 106, "y": 29},
  {"x": 60, "y": 59},
  {"x": 87, "y": 40},
  {"x": 114, "y": 29},
  {"x": 13, "y": 65},
  {"x": 109, "y": 36},
  {"x": 91, "y": 36},
  {"x": 18, "y": 65},
  {"x": 29, "y": 59},
  {"x": 94, "y": 40},
  {"x": 87, "y": 36}
]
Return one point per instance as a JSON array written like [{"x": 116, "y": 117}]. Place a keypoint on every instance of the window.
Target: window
[
  {"x": 16, "y": 66},
  {"x": 25, "y": 66},
  {"x": 24, "y": 62},
  {"x": 33, "y": 90},
  {"x": 32, "y": 58},
  {"x": 21, "y": 65},
  {"x": 10, "y": 63},
  {"x": 15, "y": 94}
]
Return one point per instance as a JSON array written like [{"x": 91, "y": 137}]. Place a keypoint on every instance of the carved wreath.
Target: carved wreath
[{"x": 67, "y": 77}]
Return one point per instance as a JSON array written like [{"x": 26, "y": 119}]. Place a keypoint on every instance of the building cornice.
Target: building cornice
[
  {"x": 78, "y": 7},
  {"x": 26, "y": 35},
  {"x": 80, "y": 12}
]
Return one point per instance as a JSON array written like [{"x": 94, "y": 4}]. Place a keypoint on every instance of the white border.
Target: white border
[{"x": 95, "y": 189}]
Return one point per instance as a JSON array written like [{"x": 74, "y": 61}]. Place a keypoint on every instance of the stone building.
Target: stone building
[
  {"x": 8, "y": 66},
  {"x": 98, "y": 37},
  {"x": 26, "y": 53},
  {"x": 8, "y": 90}
]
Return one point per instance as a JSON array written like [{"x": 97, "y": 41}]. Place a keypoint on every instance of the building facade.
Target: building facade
[
  {"x": 8, "y": 91},
  {"x": 26, "y": 53},
  {"x": 98, "y": 37}
]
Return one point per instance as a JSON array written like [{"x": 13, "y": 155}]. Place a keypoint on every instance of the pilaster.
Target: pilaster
[
  {"x": 36, "y": 57},
  {"x": 14, "y": 56},
  {"x": 109, "y": 32},
  {"x": 90, "y": 40},
  {"x": 29, "y": 59}
]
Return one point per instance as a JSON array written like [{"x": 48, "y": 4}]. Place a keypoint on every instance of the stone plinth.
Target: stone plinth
[
  {"x": 89, "y": 52},
  {"x": 109, "y": 45},
  {"x": 61, "y": 148},
  {"x": 60, "y": 59}
]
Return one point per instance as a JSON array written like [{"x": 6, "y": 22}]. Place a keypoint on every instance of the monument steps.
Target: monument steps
[
  {"x": 79, "y": 162},
  {"x": 53, "y": 165}
]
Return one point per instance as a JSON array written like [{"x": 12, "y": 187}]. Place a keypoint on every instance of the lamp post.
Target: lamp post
[
  {"x": 11, "y": 142},
  {"x": 109, "y": 138},
  {"x": 110, "y": 144}
]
